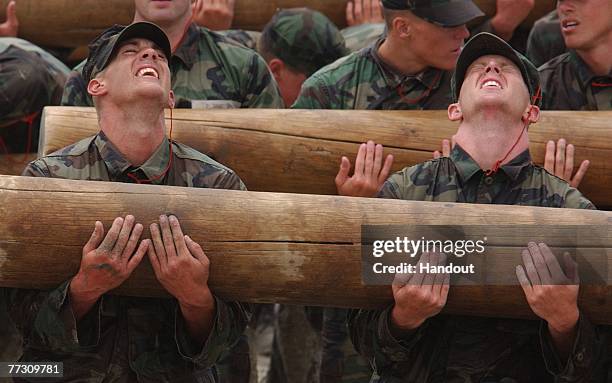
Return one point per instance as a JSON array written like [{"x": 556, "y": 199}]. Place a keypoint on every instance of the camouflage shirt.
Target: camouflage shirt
[
  {"x": 545, "y": 40},
  {"x": 363, "y": 35},
  {"x": 451, "y": 348},
  {"x": 362, "y": 80},
  {"x": 208, "y": 71},
  {"x": 569, "y": 84},
  {"x": 125, "y": 339}
]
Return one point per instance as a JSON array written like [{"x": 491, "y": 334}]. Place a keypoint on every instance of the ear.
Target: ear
[
  {"x": 96, "y": 87},
  {"x": 454, "y": 112},
  {"x": 531, "y": 115},
  {"x": 403, "y": 27},
  {"x": 171, "y": 100},
  {"x": 277, "y": 66}
]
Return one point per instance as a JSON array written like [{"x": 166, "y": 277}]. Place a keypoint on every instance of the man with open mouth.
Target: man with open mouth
[
  {"x": 104, "y": 337},
  {"x": 581, "y": 79}
]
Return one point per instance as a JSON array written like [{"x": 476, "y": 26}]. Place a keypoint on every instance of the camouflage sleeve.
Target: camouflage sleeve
[
  {"x": 261, "y": 88},
  {"x": 46, "y": 321},
  {"x": 575, "y": 200},
  {"x": 36, "y": 169},
  {"x": 75, "y": 90},
  {"x": 371, "y": 335},
  {"x": 231, "y": 181},
  {"x": 584, "y": 362},
  {"x": 248, "y": 39},
  {"x": 363, "y": 35},
  {"x": 229, "y": 323},
  {"x": 313, "y": 95}
]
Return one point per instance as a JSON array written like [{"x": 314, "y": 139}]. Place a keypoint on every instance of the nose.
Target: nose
[
  {"x": 492, "y": 67},
  {"x": 149, "y": 53},
  {"x": 564, "y": 7}
]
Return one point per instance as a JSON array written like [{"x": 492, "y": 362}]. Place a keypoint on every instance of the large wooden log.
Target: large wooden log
[
  {"x": 266, "y": 247},
  {"x": 73, "y": 23},
  {"x": 298, "y": 151},
  {"x": 13, "y": 164}
]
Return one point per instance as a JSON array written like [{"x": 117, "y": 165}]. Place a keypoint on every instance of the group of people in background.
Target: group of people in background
[{"x": 394, "y": 55}]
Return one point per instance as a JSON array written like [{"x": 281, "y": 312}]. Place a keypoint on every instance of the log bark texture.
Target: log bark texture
[
  {"x": 299, "y": 151},
  {"x": 263, "y": 247},
  {"x": 73, "y": 23}
]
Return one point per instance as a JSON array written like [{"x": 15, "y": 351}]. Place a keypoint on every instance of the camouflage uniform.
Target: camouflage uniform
[
  {"x": 362, "y": 80},
  {"x": 545, "y": 40},
  {"x": 361, "y": 36},
  {"x": 208, "y": 71},
  {"x": 125, "y": 339},
  {"x": 569, "y": 84},
  {"x": 30, "y": 78},
  {"x": 450, "y": 348}
]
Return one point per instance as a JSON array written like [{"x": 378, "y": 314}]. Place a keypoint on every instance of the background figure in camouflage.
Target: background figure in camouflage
[
  {"x": 581, "y": 79},
  {"x": 545, "y": 40},
  {"x": 295, "y": 43},
  {"x": 99, "y": 336},
  {"x": 410, "y": 341},
  {"x": 208, "y": 70},
  {"x": 30, "y": 79}
]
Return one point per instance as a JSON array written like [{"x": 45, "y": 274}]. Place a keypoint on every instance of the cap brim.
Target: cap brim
[
  {"x": 451, "y": 14},
  {"x": 144, "y": 30},
  {"x": 481, "y": 45}
]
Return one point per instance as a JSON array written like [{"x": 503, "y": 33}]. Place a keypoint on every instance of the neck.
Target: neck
[
  {"x": 394, "y": 54},
  {"x": 598, "y": 58},
  {"x": 489, "y": 137},
  {"x": 136, "y": 132}
]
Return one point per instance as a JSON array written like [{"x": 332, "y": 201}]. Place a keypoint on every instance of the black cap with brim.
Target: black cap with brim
[
  {"x": 449, "y": 13},
  {"x": 103, "y": 49},
  {"x": 488, "y": 44}
]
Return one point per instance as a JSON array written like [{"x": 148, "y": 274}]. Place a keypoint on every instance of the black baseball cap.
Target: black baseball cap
[
  {"x": 446, "y": 13},
  {"x": 488, "y": 44},
  {"x": 103, "y": 48}
]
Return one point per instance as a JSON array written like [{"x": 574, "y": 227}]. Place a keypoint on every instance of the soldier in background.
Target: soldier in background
[
  {"x": 545, "y": 40},
  {"x": 497, "y": 99},
  {"x": 30, "y": 79},
  {"x": 581, "y": 79},
  {"x": 208, "y": 70},
  {"x": 96, "y": 334}
]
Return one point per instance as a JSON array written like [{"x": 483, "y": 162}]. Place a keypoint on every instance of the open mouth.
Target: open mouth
[
  {"x": 569, "y": 25},
  {"x": 147, "y": 72},
  {"x": 491, "y": 84}
]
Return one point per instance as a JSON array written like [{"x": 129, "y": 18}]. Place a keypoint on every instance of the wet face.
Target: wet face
[
  {"x": 438, "y": 47},
  {"x": 163, "y": 12},
  {"x": 585, "y": 23},
  {"x": 139, "y": 70},
  {"x": 494, "y": 82}
]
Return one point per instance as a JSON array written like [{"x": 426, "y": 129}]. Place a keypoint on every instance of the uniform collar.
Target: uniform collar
[
  {"x": 430, "y": 77},
  {"x": 583, "y": 72},
  {"x": 118, "y": 166},
  {"x": 468, "y": 168},
  {"x": 187, "y": 51}
]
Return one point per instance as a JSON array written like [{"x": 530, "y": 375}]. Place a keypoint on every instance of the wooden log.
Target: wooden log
[
  {"x": 299, "y": 151},
  {"x": 73, "y": 23},
  {"x": 265, "y": 247},
  {"x": 13, "y": 164}
]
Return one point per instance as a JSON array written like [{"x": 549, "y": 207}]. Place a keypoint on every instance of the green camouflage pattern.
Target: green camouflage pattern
[
  {"x": 304, "y": 39},
  {"x": 249, "y": 39},
  {"x": 125, "y": 339},
  {"x": 569, "y": 84},
  {"x": 30, "y": 78},
  {"x": 450, "y": 348},
  {"x": 362, "y": 80},
  {"x": 545, "y": 41},
  {"x": 208, "y": 70},
  {"x": 362, "y": 36}
]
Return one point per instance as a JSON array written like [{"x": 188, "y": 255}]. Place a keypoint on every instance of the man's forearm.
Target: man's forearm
[
  {"x": 80, "y": 303},
  {"x": 199, "y": 319}
]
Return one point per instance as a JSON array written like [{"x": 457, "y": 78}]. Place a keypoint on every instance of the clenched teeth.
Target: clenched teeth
[
  {"x": 492, "y": 83},
  {"x": 147, "y": 72}
]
